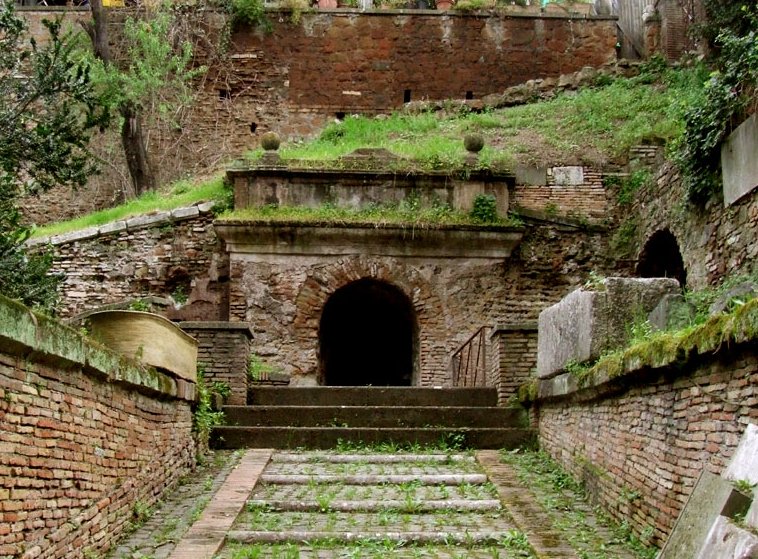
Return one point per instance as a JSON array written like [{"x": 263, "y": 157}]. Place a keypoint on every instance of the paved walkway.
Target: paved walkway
[{"x": 321, "y": 504}]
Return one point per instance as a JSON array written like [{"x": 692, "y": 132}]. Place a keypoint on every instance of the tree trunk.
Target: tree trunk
[
  {"x": 132, "y": 139},
  {"x": 133, "y": 142}
]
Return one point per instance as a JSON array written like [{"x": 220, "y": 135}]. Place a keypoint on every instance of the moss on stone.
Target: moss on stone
[{"x": 668, "y": 348}]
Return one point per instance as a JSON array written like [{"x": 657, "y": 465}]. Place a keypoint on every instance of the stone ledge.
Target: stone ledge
[
  {"x": 639, "y": 363},
  {"x": 28, "y": 335},
  {"x": 134, "y": 223},
  {"x": 222, "y": 326},
  {"x": 515, "y": 327},
  {"x": 313, "y": 239}
]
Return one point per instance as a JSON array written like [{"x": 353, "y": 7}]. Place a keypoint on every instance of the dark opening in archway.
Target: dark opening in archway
[
  {"x": 661, "y": 258},
  {"x": 367, "y": 336}
]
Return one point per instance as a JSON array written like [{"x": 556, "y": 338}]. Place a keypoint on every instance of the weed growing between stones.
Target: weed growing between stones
[{"x": 562, "y": 496}]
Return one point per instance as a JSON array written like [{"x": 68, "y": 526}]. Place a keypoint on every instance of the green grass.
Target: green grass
[
  {"x": 182, "y": 193},
  {"x": 593, "y": 125},
  {"x": 564, "y": 498},
  {"x": 378, "y": 215}
]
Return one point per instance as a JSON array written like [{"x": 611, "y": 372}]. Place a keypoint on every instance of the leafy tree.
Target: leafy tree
[
  {"x": 152, "y": 75},
  {"x": 47, "y": 112}
]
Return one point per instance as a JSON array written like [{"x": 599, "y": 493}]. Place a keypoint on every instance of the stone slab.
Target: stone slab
[
  {"x": 147, "y": 219},
  {"x": 80, "y": 235},
  {"x": 728, "y": 541},
  {"x": 751, "y": 518},
  {"x": 710, "y": 497},
  {"x": 568, "y": 176},
  {"x": 531, "y": 176},
  {"x": 744, "y": 464},
  {"x": 185, "y": 213},
  {"x": 566, "y": 330},
  {"x": 113, "y": 227},
  {"x": 739, "y": 162}
]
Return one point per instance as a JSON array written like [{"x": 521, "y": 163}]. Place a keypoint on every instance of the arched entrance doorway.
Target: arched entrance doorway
[
  {"x": 367, "y": 336},
  {"x": 661, "y": 258}
]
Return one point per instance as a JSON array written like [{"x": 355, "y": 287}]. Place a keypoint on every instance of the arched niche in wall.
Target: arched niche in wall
[
  {"x": 661, "y": 258},
  {"x": 368, "y": 335}
]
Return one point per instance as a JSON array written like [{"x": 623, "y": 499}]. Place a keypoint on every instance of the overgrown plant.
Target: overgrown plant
[
  {"x": 728, "y": 96},
  {"x": 204, "y": 418},
  {"x": 48, "y": 110}
]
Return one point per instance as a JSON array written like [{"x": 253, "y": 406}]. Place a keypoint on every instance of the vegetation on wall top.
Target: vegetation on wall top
[{"x": 729, "y": 95}]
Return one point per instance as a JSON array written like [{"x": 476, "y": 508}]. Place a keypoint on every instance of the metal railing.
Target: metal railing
[{"x": 470, "y": 361}]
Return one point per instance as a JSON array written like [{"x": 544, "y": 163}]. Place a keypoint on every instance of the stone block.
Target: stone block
[
  {"x": 206, "y": 207},
  {"x": 566, "y": 331},
  {"x": 112, "y": 227},
  {"x": 149, "y": 219},
  {"x": 531, "y": 176},
  {"x": 568, "y": 176},
  {"x": 728, "y": 541},
  {"x": 185, "y": 213},
  {"x": 80, "y": 235},
  {"x": 586, "y": 323},
  {"x": 738, "y": 161},
  {"x": 711, "y": 496},
  {"x": 751, "y": 519},
  {"x": 744, "y": 464}
]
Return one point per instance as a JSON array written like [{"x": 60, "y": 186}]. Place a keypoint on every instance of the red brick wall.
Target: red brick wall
[
  {"x": 586, "y": 200},
  {"x": 299, "y": 75},
  {"x": 512, "y": 356},
  {"x": 223, "y": 351},
  {"x": 641, "y": 449},
  {"x": 79, "y": 448}
]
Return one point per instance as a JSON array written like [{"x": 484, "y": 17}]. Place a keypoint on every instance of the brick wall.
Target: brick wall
[
  {"x": 282, "y": 296},
  {"x": 222, "y": 352},
  {"x": 79, "y": 446},
  {"x": 372, "y": 62},
  {"x": 512, "y": 357},
  {"x": 165, "y": 254},
  {"x": 714, "y": 241},
  {"x": 588, "y": 199},
  {"x": 641, "y": 446}
]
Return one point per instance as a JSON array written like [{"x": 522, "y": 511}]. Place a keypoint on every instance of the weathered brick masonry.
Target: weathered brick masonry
[
  {"x": 641, "y": 446},
  {"x": 164, "y": 255},
  {"x": 375, "y": 61},
  {"x": 84, "y": 437},
  {"x": 714, "y": 241}
]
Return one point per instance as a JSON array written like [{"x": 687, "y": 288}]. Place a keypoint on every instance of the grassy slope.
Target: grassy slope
[{"x": 592, "y": 126}]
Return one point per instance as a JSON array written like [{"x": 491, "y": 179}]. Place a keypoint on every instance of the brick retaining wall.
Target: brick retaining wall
[
  {"x": 640, "y": 445},
  {"x": 85, "y": 436}
]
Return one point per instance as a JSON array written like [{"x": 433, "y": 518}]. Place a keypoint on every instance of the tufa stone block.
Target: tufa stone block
[
  {"x": 744, "y": 464},
  {"x": 728, "y": 541},
  {"x": 738, "y": 161},
  {"x": 711, "y": 497},
  {"x": 587, "y": 323}
]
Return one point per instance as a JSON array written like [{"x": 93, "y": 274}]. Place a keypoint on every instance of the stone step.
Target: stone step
[
  {"x": 368, "y": 505},
  {"x": 367, "y": 458},
  {"x": 230, "y": 436},
  {"x": 371, "y": 396},
  {"x": 375, "y": 416},
  {"x": 367, "y": 549},
  {"x": 373, "y": 479},
  {"x": 463, "y": 538}
]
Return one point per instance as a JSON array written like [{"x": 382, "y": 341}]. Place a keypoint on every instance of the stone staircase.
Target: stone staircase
[
  {"x": 323, "y": 417},
  {"x": 329, "y": 504}
]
